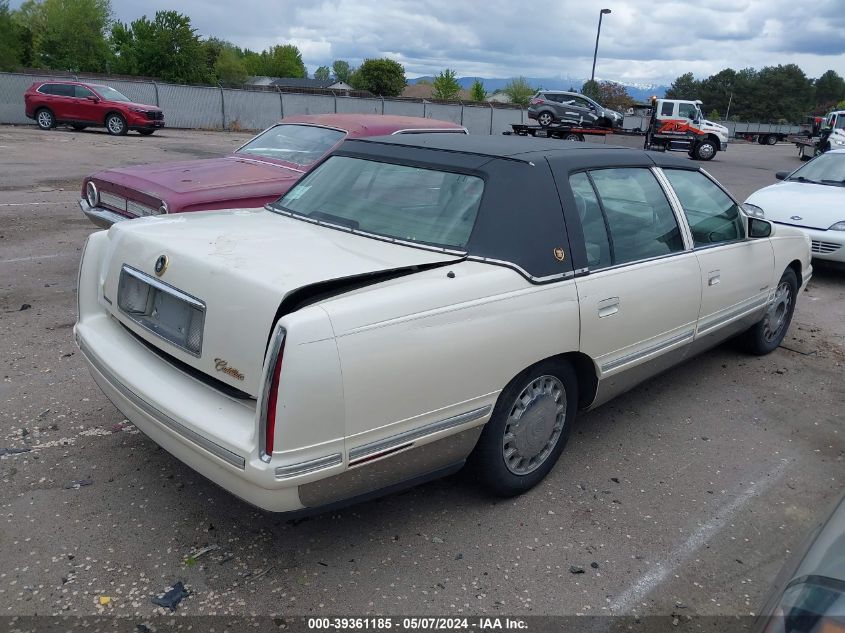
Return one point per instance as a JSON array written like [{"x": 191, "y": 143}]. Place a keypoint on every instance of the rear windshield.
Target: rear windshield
[
  {"x": 298, "y": 144},
  {"x": 408, "y": 203},
  {"x": 110, "y": 94}
]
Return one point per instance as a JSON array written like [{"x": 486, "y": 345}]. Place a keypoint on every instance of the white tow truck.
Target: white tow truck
[{"x": 679, "y": 125}]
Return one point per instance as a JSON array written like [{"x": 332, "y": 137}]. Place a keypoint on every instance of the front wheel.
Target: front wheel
[
  {"x": 45, "y": 119},
  {"x": 545, "y": 119},
  {"x": 705, "y": 150},
  {"x": 766, "y": 335},
  {"x": 528, "y": 430},
  {"x": 116, "y": 125}
]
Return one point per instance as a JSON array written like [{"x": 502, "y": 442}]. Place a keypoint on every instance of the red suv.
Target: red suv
[{"x": 87, "y": 105}]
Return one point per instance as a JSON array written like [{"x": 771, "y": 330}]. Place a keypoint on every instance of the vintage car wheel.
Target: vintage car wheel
[
  {"x": 767, "y": 334},
  {"x": 116, "y": 125},
  {"x": 545, "y": 119},
  {"x": 528, "y": 429},
  {"x": 45, "y": 119}
]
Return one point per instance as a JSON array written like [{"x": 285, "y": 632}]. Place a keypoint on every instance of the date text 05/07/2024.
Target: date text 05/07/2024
[{"x": 385, "y": 623}]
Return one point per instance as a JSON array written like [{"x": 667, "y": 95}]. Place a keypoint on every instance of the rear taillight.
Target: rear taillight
[
  {"x": 537, "y": 101},
  {"x": 271, "y": 395}
]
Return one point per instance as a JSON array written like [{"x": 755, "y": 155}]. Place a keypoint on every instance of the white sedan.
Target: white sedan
[
  {"x": 415, "y": 303},
  {"x": 811, "y": 198}
]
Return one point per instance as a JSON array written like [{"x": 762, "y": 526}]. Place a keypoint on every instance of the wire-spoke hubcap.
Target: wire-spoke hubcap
[
  {"x": 777, "y": 312},
  {"x": 534, "y": 425},
  {"x": 115, "y": 125}
]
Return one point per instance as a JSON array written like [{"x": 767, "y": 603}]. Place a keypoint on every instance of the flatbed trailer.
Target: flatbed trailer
[
  {"x": 561, "y": 131},
  {"x": 808, "y": 146}
]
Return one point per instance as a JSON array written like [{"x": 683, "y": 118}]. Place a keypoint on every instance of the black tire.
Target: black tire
[
  {"x": 603, "y": 122},
  {"x": 78, "y": 126},
  {"x": 545, "y": 118},
  {"x": 44, "y": 119},
  {"x": 116, "y": 125},
  {"x": 761, "y": 339},
  {"x": 705, "y": 150},
  {"x": 771, "y": 139},
  {"x": 761, "y": 140},
  {"x": 572, "y": 136},
  {"x": 146, "y": 132},
  {"x": 488, "y": 460}
]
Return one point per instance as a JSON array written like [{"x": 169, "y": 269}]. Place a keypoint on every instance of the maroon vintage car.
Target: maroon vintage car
[{"x": 253, "y": 175}]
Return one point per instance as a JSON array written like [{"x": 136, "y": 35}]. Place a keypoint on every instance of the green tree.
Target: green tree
[
  {"x": 67, "y": 34},
  {"x": 253, "y": 62},
  {"x": 10, "y": 44},
  {"x": 830, "y": 89},
  {"x": 446, "y": 86},
  {"x": 124, "y": 51},
  {"x": 229, "y": 67},
  {"x": 684, "y": 87},
  {"x": 383, "y": 77},
  {"x": 322, "y": 73},
  {"x": 284, "y": 61},
  {"x": 592, "y": 90},
  {"x": 614, "y": 96},
  {"x": 783, "y": 92},
  {"x": 477, "y": 91},
  {"x": 341, "y": 70},
  {"x": 166, "y": 47},
  {"x": 519, "y": 91}
]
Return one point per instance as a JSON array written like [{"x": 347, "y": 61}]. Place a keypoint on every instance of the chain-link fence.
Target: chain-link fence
[{"x": 217, "y": 108}]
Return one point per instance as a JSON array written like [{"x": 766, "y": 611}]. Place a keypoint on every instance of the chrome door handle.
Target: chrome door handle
[
  {"x": 714, "y": 277},
  {"x": 608, "y": 307}
]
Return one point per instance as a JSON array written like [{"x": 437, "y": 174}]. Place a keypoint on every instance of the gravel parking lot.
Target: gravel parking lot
[{"x": 683, "y": 496}]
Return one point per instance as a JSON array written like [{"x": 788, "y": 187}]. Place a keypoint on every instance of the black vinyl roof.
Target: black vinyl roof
[
  {"x": 527, "y": 215},
  {"x": 527, "y": 149}
]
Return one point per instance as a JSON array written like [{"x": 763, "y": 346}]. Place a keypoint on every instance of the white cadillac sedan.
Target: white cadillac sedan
[
  {"x": 415, "y": 303},
  {"x": 812, "y": 199}
]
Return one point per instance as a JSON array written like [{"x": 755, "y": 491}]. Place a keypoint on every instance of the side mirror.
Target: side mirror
[
  {"x": 93, "y": 98},
  {"x": 781, "y": 175},
  {"x": 759, "y": 228}
]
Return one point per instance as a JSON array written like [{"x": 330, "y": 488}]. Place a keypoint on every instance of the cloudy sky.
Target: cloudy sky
[{"x": 641, "y": 41}]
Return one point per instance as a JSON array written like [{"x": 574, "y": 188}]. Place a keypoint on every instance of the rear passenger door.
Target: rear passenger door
[
  {"x": 736, "y": 272},
  {"x": 63, "y": 102},
  {"x": 639, "y": 302}
]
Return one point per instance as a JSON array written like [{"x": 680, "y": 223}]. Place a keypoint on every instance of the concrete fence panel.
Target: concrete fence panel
[
  {"x": 404, "y": 108},
  {"x": 354, "y": 105},
  {"x": 307, "y": 104},
  {"x": 443, "y": 112},
  {"x": 477, "y": 119},
  {"x": 191, "y": 106},
  {"x": 502, "y": 119},
  {"x": 12, "y": 87},
  {"x": 250, "y": 109}
]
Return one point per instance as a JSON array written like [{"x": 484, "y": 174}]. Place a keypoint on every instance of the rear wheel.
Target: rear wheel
[
  {"x": 528, "y": 430},
  {"x": 705, "y": 150},
  {"x": 545, "y": 119},
  {"x": 145, "y": 132},
  {"x": 764, "y": 337},
  {"x": 771, "y": 139},
  {"x": 116, "y": 125},
  {"x": 572, "y": 136},
  {"x": 45, "y": 119}
]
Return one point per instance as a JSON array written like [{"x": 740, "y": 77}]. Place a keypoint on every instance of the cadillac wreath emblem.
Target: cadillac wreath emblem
[{"x": 161, "y": 265}]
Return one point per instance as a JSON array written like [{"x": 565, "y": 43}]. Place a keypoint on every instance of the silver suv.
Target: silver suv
[{"x": 558, "y": 106}]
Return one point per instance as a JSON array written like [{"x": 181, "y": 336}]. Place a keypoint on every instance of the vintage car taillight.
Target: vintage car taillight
[{"x": 271, "y": 395}]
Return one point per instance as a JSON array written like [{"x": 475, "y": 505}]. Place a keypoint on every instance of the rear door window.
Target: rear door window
[
  {"x": 638, "y": 215},
  {"x": 592, "y": 222},
  {"x": 62, "y": 90}
]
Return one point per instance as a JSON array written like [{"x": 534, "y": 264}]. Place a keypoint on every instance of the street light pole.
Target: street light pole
[{"x": 596, "y": 52}]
